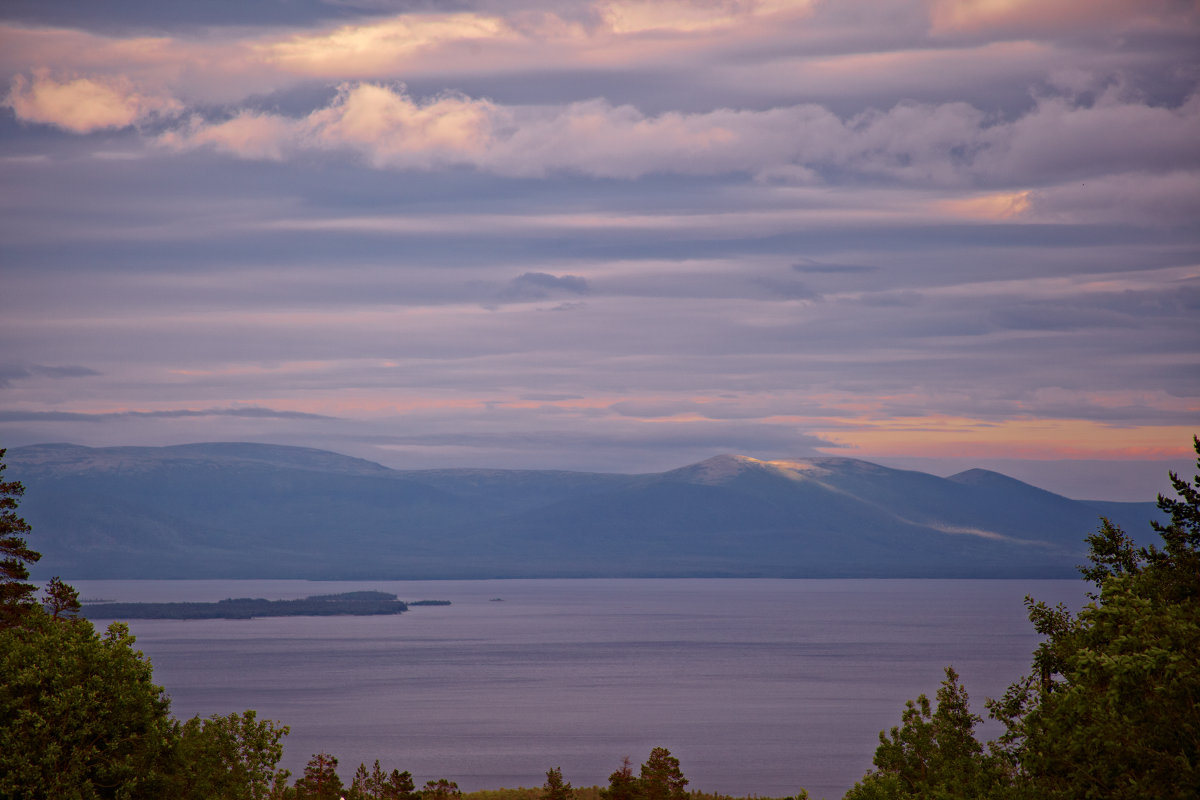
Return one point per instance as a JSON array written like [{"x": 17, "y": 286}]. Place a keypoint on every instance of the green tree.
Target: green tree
[
  {"x": 232, "y": 757},
  {"x": 320, "y": 780},
  {"x": 441, "y": 789},
  {"x": 1111, "y": 707},
  {"x": 661, "y": 777},
  {"x": 363, "y": 786},
  {"x": 621, "y": 784},
  {"x": 61, "y": 600},
  {"x": 555, "y": 788},
  {"x": 933, "y": 753},
  {"x": 17, "y": 598},
  {"x": 400, "y": 786},
  {"x": 80, "y": 716}
]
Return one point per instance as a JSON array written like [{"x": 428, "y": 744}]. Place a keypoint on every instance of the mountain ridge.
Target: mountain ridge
[{"x": 237, "y": 509}]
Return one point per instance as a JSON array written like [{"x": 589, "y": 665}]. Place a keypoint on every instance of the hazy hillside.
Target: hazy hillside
[{"x": 248, "y": 510}]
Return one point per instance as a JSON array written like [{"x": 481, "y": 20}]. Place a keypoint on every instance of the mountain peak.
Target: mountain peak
[{"x": 723, "y": 468}]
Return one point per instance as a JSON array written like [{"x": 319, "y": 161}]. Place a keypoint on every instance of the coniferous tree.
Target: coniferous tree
[
  {"x": 17, "y": 598},
  {"x": 361, "y": 786},
  {"x": 621, "y": 784},
  {"x": 62, "y": 601},
  {"x": 1110, "y": 707},
  {"x": 661, "y": 777},
  {"x": 933, "y": 753},
  {"x": 555, "y": 788},
  {"x": 441, "y": 789},
  {"x": 320, "y": 781},
  {"x": 400, "y": 786}
]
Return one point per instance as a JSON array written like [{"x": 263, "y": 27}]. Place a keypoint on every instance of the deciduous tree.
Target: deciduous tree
[
  {"x": 80, "y": 716},
  {"x": 234, "y": 757}
]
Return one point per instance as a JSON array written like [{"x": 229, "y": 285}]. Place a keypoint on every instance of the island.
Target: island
[{"x": 322, "y": 605}]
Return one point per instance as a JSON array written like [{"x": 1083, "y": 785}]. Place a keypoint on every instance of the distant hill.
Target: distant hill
[{"x": 238, "y": 510}]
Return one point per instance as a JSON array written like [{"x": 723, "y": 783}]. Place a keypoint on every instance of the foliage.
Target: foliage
[
  {"x": 1110, "y": 710},
  {"x": 80, "y": 716},
  {"x": 621, "y": 784},
  {"x": 933, "y": 753},
  {"x": 661, "y": 777},
  {"x": 441, "y": 789},
  {"x": 555, "y": 788},
  {"x": 376, "y": 785},
  {"x": 320, "y": 780},
  {"x": 16, "y": 596},
  {"x": 61, "y": 599},
  {"x": 232, "y": 757}
]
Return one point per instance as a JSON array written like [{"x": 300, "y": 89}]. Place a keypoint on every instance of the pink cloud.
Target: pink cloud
[
  {"x": 1057, "y": 15},
  {"x": 86, "y": 104}
]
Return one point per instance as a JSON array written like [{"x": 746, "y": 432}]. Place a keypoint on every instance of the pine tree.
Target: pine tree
[
  {"x": 320, "y": 781},
  {"x": 555, "y": 787},
  {"x": 399, "y": 786},
  {"x": 62, "y": 601},
  {"x": 17, "y": 598},
  {"x": 661, "y": 777},
  {"x": 621, "y": 784},
  {"x": 1110, "y": 707}
]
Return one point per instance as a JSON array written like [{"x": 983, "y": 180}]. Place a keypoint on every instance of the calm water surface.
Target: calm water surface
[{"x": 758, "y": 686}]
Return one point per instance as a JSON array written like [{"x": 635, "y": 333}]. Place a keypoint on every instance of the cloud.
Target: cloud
[
  {"x": 949, "y": 145},
  {"x": 86, "y": 104},
  {"x": 819, "y": 267},
  {"x": 252, "y": 412},
  {"x": 691, "y": 16},
  {"x": 382, "y": 124},
  {"x": 1057, "y": 15},
  {"x": 12, "y": 372},
  {"x": 540, "y": 285}
]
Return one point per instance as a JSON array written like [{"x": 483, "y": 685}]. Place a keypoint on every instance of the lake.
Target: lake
[{"x": 757, "y": 686}]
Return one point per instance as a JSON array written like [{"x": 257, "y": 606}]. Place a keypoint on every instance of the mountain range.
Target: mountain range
[{"x": 240, "y": 510}]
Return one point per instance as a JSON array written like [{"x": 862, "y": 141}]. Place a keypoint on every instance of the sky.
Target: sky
[{"x": 609, "y": 235}]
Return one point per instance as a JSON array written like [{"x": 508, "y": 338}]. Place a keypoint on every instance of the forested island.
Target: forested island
[{"x": 357, "y": 604}]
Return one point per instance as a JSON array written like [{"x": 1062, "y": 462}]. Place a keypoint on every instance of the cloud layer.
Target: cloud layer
[{"x": 605, "y": 234}]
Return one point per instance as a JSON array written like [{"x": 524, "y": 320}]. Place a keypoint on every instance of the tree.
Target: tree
[
  {"x": 441, "y": 789},
  {"x": 399, "y": 786},
  {"x": 80, "y": 716},
  {"x": 555, "y": 788},
  {"x": 375, "y": 785},
  {"x": 61, "y": 600},
  {"x": 933, "y": 753},
  {"x": 320, "y": 781},
  {"x": 661, "y": 777},
  {"x": 17, "y": 598},
  {"x": 1110, "y": 708},
  {"x": 621, "y": 784},
  {"x": 232, "y": 757},
  {"x": 363, "y": 786}
]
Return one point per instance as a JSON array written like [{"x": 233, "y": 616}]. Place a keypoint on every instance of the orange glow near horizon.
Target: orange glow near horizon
[{"x": 1040, "y": 439}]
